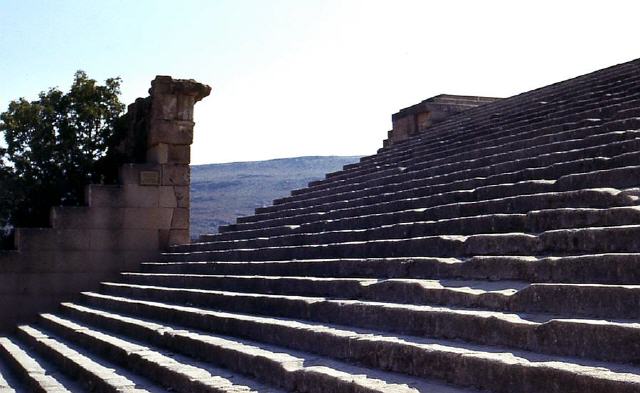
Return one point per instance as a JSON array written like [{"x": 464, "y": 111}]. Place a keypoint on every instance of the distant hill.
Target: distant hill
[{"x": 222, "y": 192}]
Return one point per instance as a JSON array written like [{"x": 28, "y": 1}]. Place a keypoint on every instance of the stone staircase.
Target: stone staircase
[{"x": 497, "y": 251}]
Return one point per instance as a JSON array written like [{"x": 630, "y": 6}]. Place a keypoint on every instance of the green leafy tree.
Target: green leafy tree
[{"x": 55, "y": 146}]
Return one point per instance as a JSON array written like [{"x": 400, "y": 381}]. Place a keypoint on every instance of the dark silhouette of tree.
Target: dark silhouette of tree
[{"x": 55, "y": 146}]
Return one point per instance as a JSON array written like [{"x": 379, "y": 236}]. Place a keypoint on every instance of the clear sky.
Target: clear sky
[{"x": 309, "y": 77}]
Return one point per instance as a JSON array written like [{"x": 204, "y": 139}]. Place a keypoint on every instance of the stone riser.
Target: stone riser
[
  {"x": 587, "y": 173},
  {"x": 485, "y": 167},
  {"x": 470, "y": 148},
  {"x": 513, "y": 110},
  {"x": 495, "y": 144},
  {"x": 460, "y": 131},
  {"x": 458, "y": 124},
  {"x": 33, "y": 373},
  {"x": 428, "y": 360},
  {"x": 532, "y": 222},
  {"x": 622, "y": 239},
  {"x": 530, "y": 158},
  {"x": 617, "y": 269},
  {"x": 523, "y": 204},
  {"x": 586, "y": 300},
  {"x": 96, "y": 377},
  {"x": 179, "y": 374},
  {"x": 355, "y": 170},
  {"x": 582, "y": 338},
  {"x": 480, "y": 193},
  {"x": 276, "y": 368},
  {"x": 561, "y": 172},
  {"x": 526, "y": 181},
  {"x": 464, "y": 146}
]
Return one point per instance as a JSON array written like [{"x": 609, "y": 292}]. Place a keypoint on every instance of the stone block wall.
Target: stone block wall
[
  {"x": 120, "y": 225},
  {"x": 417, "y": 118}
]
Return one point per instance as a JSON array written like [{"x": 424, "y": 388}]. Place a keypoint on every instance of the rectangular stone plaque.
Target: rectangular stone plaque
[{"x": 149, "y": 178}]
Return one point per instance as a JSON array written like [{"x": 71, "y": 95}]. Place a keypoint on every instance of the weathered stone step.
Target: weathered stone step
[
  {"x": 291, "y": 370},
  {"x": 446, "y": 162},
  {"x": 527, "y": 106},
  {"x": 595, "y": 339},
  {"x": 480, "y": 193},
  {"x": 8, "y": 384},
  {"x": 571, "y": 175},
  {"x": 531, "y": 222},
  {"x": 435, "y": 136},
  {"x": 495, "y": 368},
  {"x": 36, "y": 374},
  {"x": 521, "y": 170},
  {"x": 574, "y": 241},
  {"x": 503, "y": 141},
  {"x": 468, "y": 126},
  {"x": 94, "y": 376},
  {"x": 428, "y": 209},
  {"x": 494, "y": 223},
  {"x": 612, "y": 172},
  {"x": 463, "y": 142},
  {"x": 590, "y": 300},
  {"x": 318, "y": 204},
  {"x": 598, "y": 268},
  {"x": 456, "y": 129},
  {"x": 175, "y": 373}
]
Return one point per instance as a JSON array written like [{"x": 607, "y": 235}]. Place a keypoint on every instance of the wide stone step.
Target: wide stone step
[
  {"x": 175, "y": 373},
  {"x": 598, "y": 268},
  {"x": 616, "y": 169},
  {"x": 496, "y": 223},
  {"x": 532, "y": 222},
  {"x": 95, "y": 376},
  {"x": 595, "y": 339},
  {"x": 573, "y": 175},
  {"x": 35, "y": 374},
  {"x": 312, "y": 205},
  {"x": 427, "y": 209},
  {"x": 465, "y": 133},
  {"x": 293, "y": 371},
  {"x": 493, "y": 157},
  {"x": 532, "y": 113},
  {"x": 495, "y": 368},
  {"x": 480, "y": 193},
  {"x": 575, "y": 241},
  {"x": 463, "y": 141},
  {"x": 531, "y": 155},
  {"x": 591, "y": 300},
  {"x": 526, "y": 118},
  {"x": 476, "y": 134}
]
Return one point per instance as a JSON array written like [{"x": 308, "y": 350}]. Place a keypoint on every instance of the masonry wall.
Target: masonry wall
[
  {"x": 121, "y": 225},
  {"x": 419, "y": 117}
]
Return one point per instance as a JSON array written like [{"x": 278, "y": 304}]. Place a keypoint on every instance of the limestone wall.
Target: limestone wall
[
  {"x": 416, "y": 118},
  {"x": 121, "y": 225}
]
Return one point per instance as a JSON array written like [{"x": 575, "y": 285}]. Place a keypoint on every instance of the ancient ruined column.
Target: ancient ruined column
[
  {"x": 169, "y": 139},
  {"x": 159, "y": 146}
]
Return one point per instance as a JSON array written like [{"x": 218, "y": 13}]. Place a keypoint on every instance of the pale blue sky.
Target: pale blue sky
[{"x": 309, "y": 77}]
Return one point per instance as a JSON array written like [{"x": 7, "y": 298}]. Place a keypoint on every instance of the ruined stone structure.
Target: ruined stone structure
[
  {"x": 417, "y": 118},
  {"x": 120, "y": 225},
  {"x": 496, "y": 250}
]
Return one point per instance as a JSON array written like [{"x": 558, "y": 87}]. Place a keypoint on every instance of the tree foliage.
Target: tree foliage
[{"x": 54, "y": 147}]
